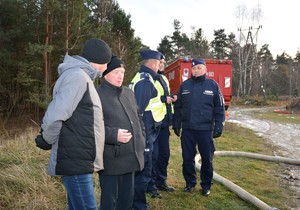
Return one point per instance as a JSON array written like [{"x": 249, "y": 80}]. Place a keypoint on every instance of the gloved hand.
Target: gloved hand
[
  {"x": 41, "y": 143},
  {"x": 216, "y": 135},
  {"x": 177, "y": 131}
]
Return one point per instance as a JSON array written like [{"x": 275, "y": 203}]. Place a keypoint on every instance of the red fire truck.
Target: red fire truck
[{"x": 219, "y": 70}]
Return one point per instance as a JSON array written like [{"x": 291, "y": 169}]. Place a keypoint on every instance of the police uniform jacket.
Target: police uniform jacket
[
  {"x": 144, "y": 90},
  {"x": 200, "y": 105},
  {"x": 120, "y": 111}
]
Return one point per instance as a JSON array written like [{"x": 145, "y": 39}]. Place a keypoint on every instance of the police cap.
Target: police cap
[
  {"x": 150, "y": 54},
  {"x": 197, "y": 61}
]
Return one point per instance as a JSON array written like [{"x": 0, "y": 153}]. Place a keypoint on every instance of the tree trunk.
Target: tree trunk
[{"x": 45, "y": 53}]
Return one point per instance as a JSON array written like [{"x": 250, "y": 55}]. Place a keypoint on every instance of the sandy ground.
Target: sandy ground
[{"x": 286, "y": 137}]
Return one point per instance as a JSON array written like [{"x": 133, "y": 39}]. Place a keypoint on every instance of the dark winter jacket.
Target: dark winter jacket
[
  {"x": 73, "y": 123},
  {"x": 120, "y": 111},
  {"x": 200, "y": 105}
]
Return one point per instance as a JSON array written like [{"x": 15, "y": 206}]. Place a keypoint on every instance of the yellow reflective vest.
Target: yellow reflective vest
[
  {"x": 155, "y": 105},
  {"x": 168, "y": 84}
]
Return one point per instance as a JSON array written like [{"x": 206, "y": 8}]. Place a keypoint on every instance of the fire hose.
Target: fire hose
[{"x": 235, "y": 188}]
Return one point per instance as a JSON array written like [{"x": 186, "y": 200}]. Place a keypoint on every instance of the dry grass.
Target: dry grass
[
  {"x": 294, "y": 105},
  {"x": 24, "y": 183}
]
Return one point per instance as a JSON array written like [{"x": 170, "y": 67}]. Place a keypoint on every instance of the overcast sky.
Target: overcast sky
[{"x": 152, "y": 20}]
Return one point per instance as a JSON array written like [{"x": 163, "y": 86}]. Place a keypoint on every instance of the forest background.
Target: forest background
[{"x": 36, "y": 34}]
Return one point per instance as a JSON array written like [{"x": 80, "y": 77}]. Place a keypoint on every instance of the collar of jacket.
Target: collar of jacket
[
  {"x": 111, "y": 87},
  {"x": 148, "y": 70},
  {"x": 158, "y": 77},
  {"x": 77, "y": 61},
  {"x": 160, "y": 72},
  {"x": 199, "y": 79}
]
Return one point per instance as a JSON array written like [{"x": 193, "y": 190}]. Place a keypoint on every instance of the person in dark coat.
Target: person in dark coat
[
  {"x": 199, "y": 111},
  {"x": 152, "y": 111},
  {"x": 124, "y": 139},
  {"x": 161, "y": 147}
]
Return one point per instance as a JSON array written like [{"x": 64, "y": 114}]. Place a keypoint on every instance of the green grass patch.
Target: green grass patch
[
  {"x": 259, "y": 178},
  {"x": 24, "y": 183},
  {"x": 276, "y": 117}
]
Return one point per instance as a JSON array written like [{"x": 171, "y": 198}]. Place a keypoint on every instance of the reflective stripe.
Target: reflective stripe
[
  {"x": 160, "y": 92},
  {"x": 221, "y": 99}
]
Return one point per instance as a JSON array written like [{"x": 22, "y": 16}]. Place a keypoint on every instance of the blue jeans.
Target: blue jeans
[{"x": 80, "y": 191}]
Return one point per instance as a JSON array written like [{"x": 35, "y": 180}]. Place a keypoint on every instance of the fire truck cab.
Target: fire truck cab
[{"x": 219, "y": 70}]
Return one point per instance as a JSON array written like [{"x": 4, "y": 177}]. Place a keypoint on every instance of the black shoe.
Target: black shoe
[
  {"x": 205, "y": 192},
  {"x": 165, "y": 187},
  {"x": 189, "y": 189},
  {"x": 154, "y": 194}
]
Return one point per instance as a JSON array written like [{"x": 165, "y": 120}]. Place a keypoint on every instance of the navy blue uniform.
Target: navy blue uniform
[
  {"x": 199, "y": 111},
  {"x": 144, "y": 90},
  {"x": 161, "y": 154}
]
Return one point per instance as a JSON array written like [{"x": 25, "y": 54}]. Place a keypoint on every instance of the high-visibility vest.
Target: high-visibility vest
[
  {"x": 168, "y": 85},
  {"x": 160, "y": 92},
  {"x": 155, "y": 105}
]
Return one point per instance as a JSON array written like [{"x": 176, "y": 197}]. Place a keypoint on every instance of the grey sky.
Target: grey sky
[{"x": 153, "y": 19}]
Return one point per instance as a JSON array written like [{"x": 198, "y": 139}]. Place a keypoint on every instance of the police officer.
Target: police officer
[
  {"x": 161, "y": 153},
  {"x": 151, "y": 111},
  {"x": 200, "y": 112}
]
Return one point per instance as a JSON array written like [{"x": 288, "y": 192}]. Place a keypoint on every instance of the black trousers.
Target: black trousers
[
  {"x": 190, "y": 140},
  {"x": 163, "y": 155},
  {"x": 117, "y": 191}
]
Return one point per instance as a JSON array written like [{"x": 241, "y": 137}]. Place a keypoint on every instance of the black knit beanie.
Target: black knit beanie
[
  {"x": 96, "y": 51},
  {"x": 114, "y": 63}
]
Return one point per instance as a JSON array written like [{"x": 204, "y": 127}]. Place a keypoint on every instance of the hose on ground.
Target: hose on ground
[
  {"x": 259, "y": 157},
  {"x": 235, "y": 188}
]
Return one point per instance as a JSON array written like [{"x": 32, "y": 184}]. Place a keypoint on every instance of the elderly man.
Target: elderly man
[
  {"x": 199, "y": 111},
  {"x": 124, "y": 139}
]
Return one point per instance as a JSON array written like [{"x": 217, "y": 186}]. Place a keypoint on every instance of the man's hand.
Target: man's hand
[
  {"x": 174, "y": 98},
  {"x": 177, "y": 131},
  {"x": 169, "y": 99},
  {"x": 217, "y": 135},
  {"x": 41, "y": 143},
  {"x": 124, "y": 136}
]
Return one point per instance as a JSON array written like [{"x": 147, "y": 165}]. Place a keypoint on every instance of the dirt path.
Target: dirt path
[{"x": 282, "y": 135}]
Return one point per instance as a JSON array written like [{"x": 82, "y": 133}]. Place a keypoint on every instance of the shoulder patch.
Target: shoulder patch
[{"x": 145, "y": 75}]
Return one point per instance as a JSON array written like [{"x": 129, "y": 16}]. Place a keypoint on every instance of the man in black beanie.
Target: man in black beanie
[
  {"x": 124, "y": 139},
  {"x": 97, "y": 51},
  {"x": 73, "y": 126}
]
